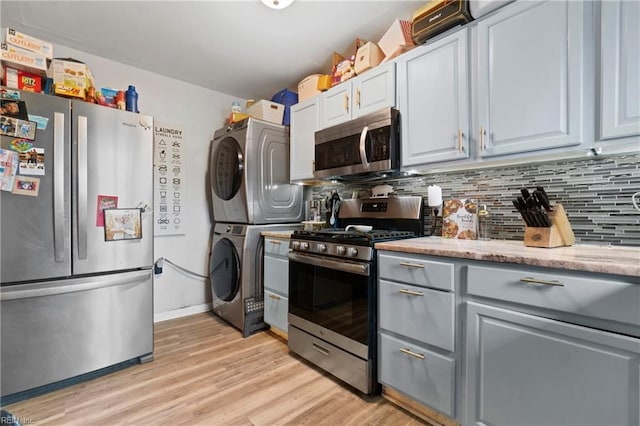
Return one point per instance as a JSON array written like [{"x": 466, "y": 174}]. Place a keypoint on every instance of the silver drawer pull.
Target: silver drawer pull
[
  {"x": 275, "y": 241},
  {"x": 408, "y": 352},
  {"x": 411, "y": 293},
  {"x": 322, "y": 350},
  {"x": 537, "y": 281},
  {"x": 274, "y": 297},
  {"x": 412, "y": 265}
]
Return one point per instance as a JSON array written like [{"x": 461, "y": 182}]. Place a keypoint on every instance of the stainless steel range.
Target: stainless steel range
[{"x": 333, "y": 286}]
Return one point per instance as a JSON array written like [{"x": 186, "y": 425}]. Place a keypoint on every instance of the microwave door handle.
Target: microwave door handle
[{"x": 363, "y": 152}]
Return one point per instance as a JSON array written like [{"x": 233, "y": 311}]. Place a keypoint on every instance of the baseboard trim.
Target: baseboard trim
[
  {"x": 182, "y": 312},
  {"x": 432, "y": 417}
]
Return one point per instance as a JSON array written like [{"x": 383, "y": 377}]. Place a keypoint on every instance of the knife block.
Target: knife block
[{"x": 557, "y": 235}]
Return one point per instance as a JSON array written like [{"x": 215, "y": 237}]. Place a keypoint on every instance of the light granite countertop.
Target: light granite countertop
[
  {"x": 277, "y": 234},
  {"x": 621, "y": 260}
]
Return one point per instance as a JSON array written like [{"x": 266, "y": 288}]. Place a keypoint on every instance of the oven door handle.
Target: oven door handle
[
  {"x": 363, "y": 151},
  {"x": 322, "y": 262}
]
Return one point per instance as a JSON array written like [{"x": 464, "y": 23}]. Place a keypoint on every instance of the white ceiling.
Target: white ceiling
[{"x": 238, "y": 47}]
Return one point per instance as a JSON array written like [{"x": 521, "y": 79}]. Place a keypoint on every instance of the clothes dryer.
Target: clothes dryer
[
  {"x": 235, "y": 273},
  {"x": 249, "y": 172}
]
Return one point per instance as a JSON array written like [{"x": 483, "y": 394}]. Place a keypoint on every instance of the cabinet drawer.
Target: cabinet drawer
[
  {"x": 276, "y": 308},
  {"x": 277, "y": 246},
  {"x": 276, "y": 274},
  {"x": 425, "y": 376},
  {"x": 609, "y": 299},
  {"x": 417, "y": 271},
  {"x": 418, "y": 313}
]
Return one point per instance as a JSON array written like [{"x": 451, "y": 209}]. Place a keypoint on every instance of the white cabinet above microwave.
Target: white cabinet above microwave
[{"x": 371, "y": 91}]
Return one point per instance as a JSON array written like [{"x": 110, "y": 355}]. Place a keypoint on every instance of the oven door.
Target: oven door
[{"x": 334, "y": 300}]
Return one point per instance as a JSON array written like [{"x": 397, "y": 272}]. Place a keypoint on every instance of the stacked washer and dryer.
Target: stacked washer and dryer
[{"x": 251, "y": 193}]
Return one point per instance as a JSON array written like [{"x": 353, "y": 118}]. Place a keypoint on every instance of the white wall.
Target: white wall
[{"x": 199, "y": 112}]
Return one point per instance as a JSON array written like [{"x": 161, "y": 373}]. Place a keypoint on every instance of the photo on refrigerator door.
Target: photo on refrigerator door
[{"x": 122, "y": 224}]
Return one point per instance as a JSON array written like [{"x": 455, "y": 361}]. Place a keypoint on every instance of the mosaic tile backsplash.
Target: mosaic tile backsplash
[{"x": 595, "y": 192}]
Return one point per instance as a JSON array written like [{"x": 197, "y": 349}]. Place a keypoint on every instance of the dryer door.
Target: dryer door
[
  {"x": 227, "y": 170},
  {"x": 227, "y": 163},
  {"x": 224, "y": 271}
]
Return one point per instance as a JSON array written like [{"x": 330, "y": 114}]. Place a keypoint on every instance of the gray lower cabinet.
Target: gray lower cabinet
[
  {"x": 276, "y": 282},
  {"x": 551, "y": 347},
  {"x": 527, "y": 370},
  {"x": 417, "y": 343}
]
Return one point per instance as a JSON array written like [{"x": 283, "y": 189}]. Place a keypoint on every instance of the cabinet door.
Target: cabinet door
[
  {"x": 524, "y": 369},
  {"x": 434, "y": 101},
  {"x": 336, "y": 105},
  {"x": 530, "y": 77},
  {"x": 424, "y": 375},
  {"x": 276, "y": 310},
  {"x": 305, "y": 121},
  {"x": 374, "y": 89},
  {"x": 620, "y": 67}
]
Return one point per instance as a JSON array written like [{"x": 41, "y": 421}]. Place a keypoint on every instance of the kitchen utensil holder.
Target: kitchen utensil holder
[{"x": 557, "y": 235}]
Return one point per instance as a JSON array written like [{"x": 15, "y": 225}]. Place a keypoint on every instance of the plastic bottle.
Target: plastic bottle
[
  {"x": 484, "y": 224},
  {"x": 132, "y": 99}
]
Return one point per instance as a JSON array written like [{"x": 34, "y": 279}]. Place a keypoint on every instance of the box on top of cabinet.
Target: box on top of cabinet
[
  {"x": 368, "y": 56},
  {"x": 32, "y": 44},
  {"x": 397, "y": 37},
  {"x": 23, "y": 59}
]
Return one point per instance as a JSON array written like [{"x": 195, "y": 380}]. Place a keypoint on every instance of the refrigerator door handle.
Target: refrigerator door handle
[
  {"x": 20, "y": 292},
  {"x": 58, "y": 186},
  {"x": 81, "y": 172}
]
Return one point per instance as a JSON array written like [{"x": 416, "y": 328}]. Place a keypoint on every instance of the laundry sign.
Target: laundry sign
[{"x": 168, "y": 180}]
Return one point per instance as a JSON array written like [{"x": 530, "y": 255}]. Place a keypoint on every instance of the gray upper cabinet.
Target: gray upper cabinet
[
  {"x": 305, "y": 121},
  {"x": 530, "y": 77},
  {"x": 372, "y": 90},
  {"x": 620, "y": 69},
  {"x": 433, "y": 97}
]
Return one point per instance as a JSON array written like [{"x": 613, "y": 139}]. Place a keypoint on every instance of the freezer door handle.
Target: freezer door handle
[
  {"x": 58, "y": 186},
  {"x": 39, "y": 290},
  {"x": 81, "y": 172}
]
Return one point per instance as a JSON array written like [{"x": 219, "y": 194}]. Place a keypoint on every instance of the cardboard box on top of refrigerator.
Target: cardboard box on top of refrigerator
[
  {"x": 22, "y": 80},
  {"x": 22, "y": 59},
  {"x": 32, "y": 44},
  {"x": 70, "y": 74}
]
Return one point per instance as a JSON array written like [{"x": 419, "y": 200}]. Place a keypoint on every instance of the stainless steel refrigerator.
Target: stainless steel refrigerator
[{"x": 77, "y": 292}]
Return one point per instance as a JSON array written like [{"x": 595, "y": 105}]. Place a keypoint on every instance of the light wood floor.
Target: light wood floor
[{"x": 205, "y": 373}]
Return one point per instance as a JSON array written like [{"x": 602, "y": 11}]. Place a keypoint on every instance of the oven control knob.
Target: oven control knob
[
  {"x": 295, "y": 245},
  {"x": 304, "y": 245},
  {"x": 352, "y": 252},
  {"x": 322, "y": 248},
  {"x": 341, "y": 250}
]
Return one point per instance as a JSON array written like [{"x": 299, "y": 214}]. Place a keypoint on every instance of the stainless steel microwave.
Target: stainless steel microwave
[{"x": 367, "y": 145}]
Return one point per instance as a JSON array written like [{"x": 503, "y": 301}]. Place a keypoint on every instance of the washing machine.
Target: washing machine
[
  {"x": 235, "y": 273},
  {"x": 249, "y": 172}
]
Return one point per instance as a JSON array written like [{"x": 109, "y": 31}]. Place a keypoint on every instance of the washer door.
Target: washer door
[
  {"x": 228, "y": 164},
  {"x": 224, "y": 270}
]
